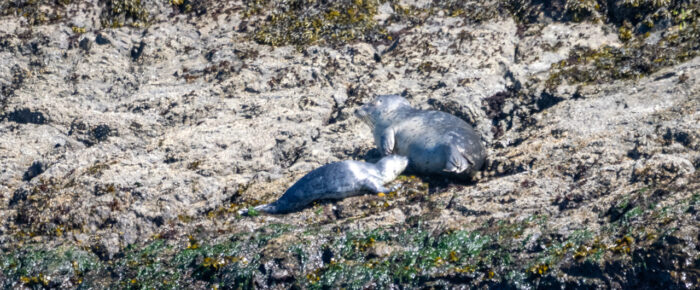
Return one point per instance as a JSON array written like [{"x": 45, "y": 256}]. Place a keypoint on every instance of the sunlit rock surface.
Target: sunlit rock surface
[{"x": 131, "y": 134}]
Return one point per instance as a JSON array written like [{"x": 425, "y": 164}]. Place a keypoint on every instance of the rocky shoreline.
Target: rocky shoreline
[{"x": 131, "y": 133}]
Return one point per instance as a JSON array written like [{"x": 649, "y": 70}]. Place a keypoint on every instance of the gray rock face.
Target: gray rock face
[{"x": 112, "y": 133}]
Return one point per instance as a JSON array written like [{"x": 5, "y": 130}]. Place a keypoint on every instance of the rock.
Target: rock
[
  {"x": 662, "y": 168},
  {"x": 382, "y": 219},
  {"x": 380, "y": 249},
  {"x": 137, "y": 50},
  {"x": 180, "y": 115},
  {"x": 280, "y": 275}
]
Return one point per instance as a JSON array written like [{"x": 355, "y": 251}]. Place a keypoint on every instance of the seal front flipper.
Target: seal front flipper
[
  {"x": 457, "y": 162},
  {"x": 375, "y": 186},
  {"x": 386, "y": 145}
]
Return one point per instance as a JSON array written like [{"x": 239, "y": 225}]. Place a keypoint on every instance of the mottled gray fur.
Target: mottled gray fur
[
  {"x": 435, "y": 142},
  {"x": 338, "y": 180}
]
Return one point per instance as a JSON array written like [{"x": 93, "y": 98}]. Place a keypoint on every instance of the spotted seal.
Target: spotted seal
[
  {"x": 435, "y": 142},
  {"x": 338, "y": 180}
]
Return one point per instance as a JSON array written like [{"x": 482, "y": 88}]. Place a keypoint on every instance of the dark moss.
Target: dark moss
[
  {"x": 7, "y": 91},
  {"x": 52, "y": 10},
  {"x": 638, "y": 16},
  {"x": 195, "y": 7},
  {"x": 117, "y": 13},
  {"x": 100, "y": 39},
  {"x": 101, "y": 132},
  {"x": 637, "y": 59},
  {"x": 304, "y": 22}
]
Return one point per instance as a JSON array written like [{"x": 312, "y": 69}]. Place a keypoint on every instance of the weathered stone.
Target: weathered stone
[{"x": 177, "y": 118}]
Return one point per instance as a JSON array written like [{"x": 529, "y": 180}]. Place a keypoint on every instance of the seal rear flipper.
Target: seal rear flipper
[
  {"x": 457, "y": 162},
  {"x": 283, "y": 206},
  {"x": 268, "y": 208}
]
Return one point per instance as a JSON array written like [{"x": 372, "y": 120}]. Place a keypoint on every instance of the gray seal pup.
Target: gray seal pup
[
  {"x": 337, "y": 180},
  {"x": 435, "y": 142}
]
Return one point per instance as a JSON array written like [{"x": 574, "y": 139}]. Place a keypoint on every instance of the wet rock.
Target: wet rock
[
  {"x": 26, "y": 116},
  {"x": 85, "y": 44},
  {"x": 101, "y": 132},
  {"x": 19, "y": 195},
  {"x": 90, "y": 135},
  {"x": 101, "y": 39},
  {"x": 34, "y": 170},
  {"x": 137, "y": 50}
]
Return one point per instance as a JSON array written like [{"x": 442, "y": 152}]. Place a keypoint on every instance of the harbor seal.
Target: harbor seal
[
  {"x": 435, "y": 142},
  {"x": 338, "y": 180}
]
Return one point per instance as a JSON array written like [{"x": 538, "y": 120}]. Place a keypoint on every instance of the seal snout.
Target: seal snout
[
  {"x": 359, "y": 113},
  {"x": 363, "y": 115},
  {"x": 391, "y": 166}
]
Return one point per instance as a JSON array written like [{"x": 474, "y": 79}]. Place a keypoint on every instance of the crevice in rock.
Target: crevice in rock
[
  {"x": 34, "y": 170},
  {"x": 26, "y": 116}
]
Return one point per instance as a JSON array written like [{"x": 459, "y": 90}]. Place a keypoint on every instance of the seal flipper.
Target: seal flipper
[
  {"x": 457, "y": 162},
  {"x": 267, "y": 208},
  {"x": 375, "y": 186},
  {"x": 386, "y": 145}
]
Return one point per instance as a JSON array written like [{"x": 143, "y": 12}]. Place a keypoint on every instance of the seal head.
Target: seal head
[
  {"x": 435, "y": 142},
  {"x": 338, "y": 180},
  {"x": 384, "y": 110}
]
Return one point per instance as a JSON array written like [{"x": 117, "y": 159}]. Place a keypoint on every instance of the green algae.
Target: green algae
[
  {"x": 493, "y": 254},
  {"x": 500, "y": 252},
  {"x": 39, "y": 267}
]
